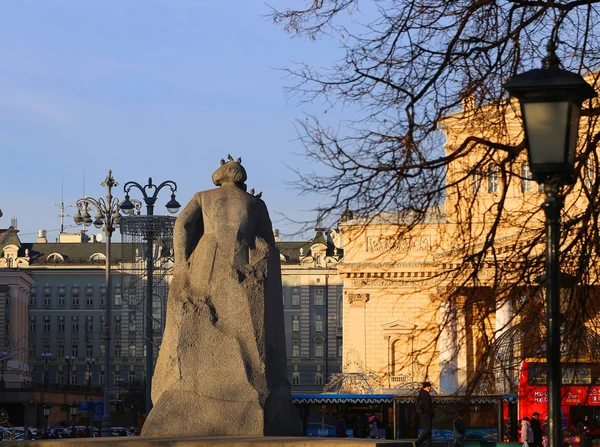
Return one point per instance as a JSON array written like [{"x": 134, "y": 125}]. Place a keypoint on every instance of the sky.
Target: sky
[{"x": 147, "y": 88}]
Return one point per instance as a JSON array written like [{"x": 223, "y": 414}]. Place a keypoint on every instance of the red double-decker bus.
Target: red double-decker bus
[{"x": 580, "y": 392}]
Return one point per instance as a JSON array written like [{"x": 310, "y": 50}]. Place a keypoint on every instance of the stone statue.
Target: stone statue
[{"x": 222, "y": 369}]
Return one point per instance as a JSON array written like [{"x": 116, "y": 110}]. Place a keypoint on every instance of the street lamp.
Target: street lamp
[
  {"x": 46, "y": 357},
  {"x": 551, "y": 101},
  {"x": 73, "y": 411},
  {"x": 89, "y": 362},
  {"x": 119, "y": 383},
  {"x": 46, "y": 409},
  {"x": 128, "y": 207},
  {"x": 69, "y": 360},
  {"x": 107, "y": 216}
]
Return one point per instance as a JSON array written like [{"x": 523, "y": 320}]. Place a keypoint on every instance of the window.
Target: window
[
  {"x": 295, "y": 297},
  {"x": 589, "y": 173},
  {"x": 31, "y": 324},
  {"x": 75, "y": 295},
  {"x": 102, "y": 324},
  {"x": 62, "y": 293},
  {"x": 131, "y": 376},
  {"x": 89, "y": 351},
  {"x": 319, "y": 323},
  {"x": 46, "y": 324},
  {"x": 101, "y": 377},
  {"x": 117, "y": 324},
  {"x": 476, "y": 181},
  {"x": 295, "y": 350},
  {"x": 132, "y": 350},
  {"x": 32, "y": 349},
  {"x": 60, "y": 377},
  {"x": 118, "y": 297},
  {"x": 46, "y": 348},
  {"x": 102, "y": 349},
  {"x": 340, "y": 350},
  {"x": 75, "y": 324},
  {"x": 318, "y": 378},
  {"x": 73, "y": 377},
  {"x": 319, "y": 297},
  {"x": 319, "y": 350},
  {"x": 61, "y": 349},
  {"x": 295, "y": 323},
  {"x": 75, "y": 348},
  {"x": 117, "y": 349},
  {"x": 61, "y": 300},
  {"x": 32, "y": 295},
  {"x": 132, "y": 324},
  {"x": 493, "y": 178},
  {"x": 157, "y": 313},
  {"x": 526, "y": 178},
  {"x": 47, "y": 300},
  {"x": 89, "y": 324},
  {"x": 296, "y": 376},
  {"x": 89, "y": 296},
  {"x": 102, "y": 295},
  {"x": 61, "y": 324}
]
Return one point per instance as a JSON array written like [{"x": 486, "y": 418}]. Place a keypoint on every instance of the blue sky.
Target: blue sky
[{"x": 160, "y": 88}]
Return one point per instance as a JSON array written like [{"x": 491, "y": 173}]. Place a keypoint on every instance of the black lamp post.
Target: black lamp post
[
  {"x": 69, "y": 359},
  {"x": 46, "y": 357},
  {"x": 107, "y": 217},
  {"x": 551, "y": 101},
  {"x": 90, "y": 361},
  {"x": 128, "y": 208},
  {"x": 46, "y": 409},
  {"x": 73, "y": 412}
]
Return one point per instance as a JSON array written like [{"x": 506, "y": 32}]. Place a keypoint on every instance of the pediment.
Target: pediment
[{"x": 398, "y": 326}]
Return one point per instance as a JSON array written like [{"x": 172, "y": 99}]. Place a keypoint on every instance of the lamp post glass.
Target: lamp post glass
[
  {"x": 551, "y": 101},
  {"x": 128, "y": 207}
]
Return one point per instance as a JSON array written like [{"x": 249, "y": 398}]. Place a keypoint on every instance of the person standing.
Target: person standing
[
  {"x": 360, "y": 426},
  {"x": 340, "y": 427},
  {"x": 526, "y": 431},
  {"x": 425, "y": 410},
  {"x": 536, "y": 427},
  {"x": 459, "y": 429}
]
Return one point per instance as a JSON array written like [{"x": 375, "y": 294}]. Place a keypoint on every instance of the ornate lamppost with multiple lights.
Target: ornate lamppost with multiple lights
[
  {"x": 46, "y": 358},
  {"x": 551, "y": 100},
  {"x": 90, "y": 361},
  {"x": 150, "y": 194},
  {"x": 107, "y": 217}
]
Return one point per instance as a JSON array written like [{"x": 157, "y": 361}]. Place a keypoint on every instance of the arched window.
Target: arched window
[
  {"x": 55, "y": 257},
  {"x": 98, "y": 257}
]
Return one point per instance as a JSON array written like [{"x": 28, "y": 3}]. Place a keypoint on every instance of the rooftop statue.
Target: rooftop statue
[{"x": 222, "y": 369}]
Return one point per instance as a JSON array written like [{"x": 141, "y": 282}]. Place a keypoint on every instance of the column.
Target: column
[
  {"x": 504, "y": 322},
  {"x": 355, "y": 349},
  {"x": 448, "y": 346}
]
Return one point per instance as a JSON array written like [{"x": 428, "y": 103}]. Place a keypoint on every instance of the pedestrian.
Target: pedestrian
[
  {"x": 526, "y": 432},
  {"x": 360, "y": 426},
  {"x": 340, "y": 427},
  {"x": 373, "y": 432},
  {"x": 536, "y": 427},
  {"x": 459, "y": 429},
  {"x": 426, "y": 412}
]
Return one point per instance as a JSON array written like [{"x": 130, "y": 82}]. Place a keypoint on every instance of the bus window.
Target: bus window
[
  {"x": 537, "y": 374},
  {"x": 577, "y": 375}
]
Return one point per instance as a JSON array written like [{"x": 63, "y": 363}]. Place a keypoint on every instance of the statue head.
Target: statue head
[{"x": 230, "y": 171}]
